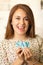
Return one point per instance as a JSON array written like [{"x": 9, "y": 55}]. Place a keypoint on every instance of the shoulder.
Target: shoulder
[
  {"x": 37, "y": 38},
  {"x": 7, "y": 42},
  {"x": 4, "y": 43}
]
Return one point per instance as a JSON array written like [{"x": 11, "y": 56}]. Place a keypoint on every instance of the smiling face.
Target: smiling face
[{"x": 20, "y": 22}]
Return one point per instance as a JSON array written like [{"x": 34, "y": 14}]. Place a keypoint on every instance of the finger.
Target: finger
[
  {"x": 19, "y": 50},
  {"x": 21, "y": 55},
  {"x": 26, "y": 51},
  {"x": 29, "y": 51},
  {"x": 26, "y": 55}
]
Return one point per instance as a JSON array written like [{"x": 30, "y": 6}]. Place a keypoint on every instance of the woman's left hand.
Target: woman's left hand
[
  {"x": 27, "y": 53},
  {"x": 28, "y": 59},
  {"x": 33, "y": 62}
]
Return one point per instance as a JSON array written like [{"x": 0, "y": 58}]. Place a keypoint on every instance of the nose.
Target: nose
[{"x": 22, "y": 21}]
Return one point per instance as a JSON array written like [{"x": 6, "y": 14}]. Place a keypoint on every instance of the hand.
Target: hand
[
  {"x": 20, "y": 59},
  {"x": 20, "y": 53},
  {"x": 27, "y": 53}
]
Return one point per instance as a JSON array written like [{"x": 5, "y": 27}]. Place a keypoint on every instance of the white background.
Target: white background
[{"x": 6, "y": 5}]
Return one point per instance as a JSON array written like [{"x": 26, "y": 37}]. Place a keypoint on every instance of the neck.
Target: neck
[{"x": 20, "y": 37}]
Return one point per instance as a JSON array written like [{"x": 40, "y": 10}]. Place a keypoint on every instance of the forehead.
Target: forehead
[{"x": 20, "y": 12}]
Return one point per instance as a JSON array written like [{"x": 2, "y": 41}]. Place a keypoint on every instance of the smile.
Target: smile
[{"x": 21, "y": 28}]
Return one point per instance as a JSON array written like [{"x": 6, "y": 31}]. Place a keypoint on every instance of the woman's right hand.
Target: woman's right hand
[
  {"x": 20, "y": 59},
  {"x": 20, "y": 53}
]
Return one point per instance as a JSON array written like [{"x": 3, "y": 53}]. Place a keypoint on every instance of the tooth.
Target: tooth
[{"x": 21, "y": 27}]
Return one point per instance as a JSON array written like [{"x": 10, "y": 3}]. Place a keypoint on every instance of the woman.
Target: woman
[{"x": 21, "y": 28}]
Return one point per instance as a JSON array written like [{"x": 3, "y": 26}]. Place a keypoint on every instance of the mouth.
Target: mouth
[{"x": 21, "y": 28}]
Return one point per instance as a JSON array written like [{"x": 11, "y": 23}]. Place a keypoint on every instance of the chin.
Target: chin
[{"x": 21, "y": 33}]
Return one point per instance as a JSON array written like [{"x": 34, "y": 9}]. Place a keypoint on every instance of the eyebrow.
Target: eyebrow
[
  {"x": 17, "y": 16},
  {"x": 24, "y": 17}
]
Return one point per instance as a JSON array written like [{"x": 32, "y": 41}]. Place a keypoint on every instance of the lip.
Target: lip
[{"x": 21, "y": 28}]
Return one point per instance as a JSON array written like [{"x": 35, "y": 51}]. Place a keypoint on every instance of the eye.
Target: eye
[
  {"x": 17, "y": 18},
  {"x": 26, "y": 19}
]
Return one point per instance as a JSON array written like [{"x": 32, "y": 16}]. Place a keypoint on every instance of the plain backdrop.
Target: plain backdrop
[{"x": 6, "y": 5}]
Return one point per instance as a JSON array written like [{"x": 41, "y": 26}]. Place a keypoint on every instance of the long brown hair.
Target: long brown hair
[{"x": 31, "y": 30}]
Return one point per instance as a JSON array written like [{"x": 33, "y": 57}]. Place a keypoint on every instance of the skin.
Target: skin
[
  {"x": 20, "y": 59},
  {"x": 20, "y": 25}
]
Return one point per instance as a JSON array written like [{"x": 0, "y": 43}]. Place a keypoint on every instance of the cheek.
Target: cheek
[
  {"x": 14, "y": 23},
  {"x": 27, "y": 25}
]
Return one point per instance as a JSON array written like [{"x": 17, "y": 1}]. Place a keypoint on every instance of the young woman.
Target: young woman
[{"x": 21, "y": 30}]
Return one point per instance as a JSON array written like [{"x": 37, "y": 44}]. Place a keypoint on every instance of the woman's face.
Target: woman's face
[{"x": 20, "y": 22}]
